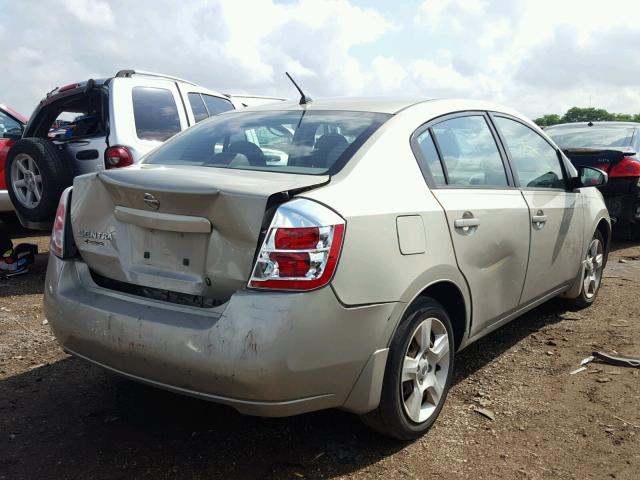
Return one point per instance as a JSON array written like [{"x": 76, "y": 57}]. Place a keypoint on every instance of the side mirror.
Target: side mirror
[
  {"x": 14, "y": 134},
  {"x": 590, "y": 177}
]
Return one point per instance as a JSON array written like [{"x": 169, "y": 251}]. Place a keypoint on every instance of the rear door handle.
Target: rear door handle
[
  {"x": 539, "y": 219},
  {"x": 466, "y": 222}
]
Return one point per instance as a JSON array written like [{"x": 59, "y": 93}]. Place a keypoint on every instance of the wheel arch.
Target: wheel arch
[
  {"x": 605, "y": 229},
  {"x": 455, "y": 300}
]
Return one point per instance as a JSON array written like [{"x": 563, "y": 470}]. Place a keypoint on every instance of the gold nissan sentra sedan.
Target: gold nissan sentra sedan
[{"x": 334, "y": 254}]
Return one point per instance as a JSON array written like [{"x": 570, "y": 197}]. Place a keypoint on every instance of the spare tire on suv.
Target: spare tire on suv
[{"x": 35, "y": 176}]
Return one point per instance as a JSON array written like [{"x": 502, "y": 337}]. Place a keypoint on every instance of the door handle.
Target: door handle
[
  {"x": 466, "y": 222},
  {"x": 539, "y": 219}
]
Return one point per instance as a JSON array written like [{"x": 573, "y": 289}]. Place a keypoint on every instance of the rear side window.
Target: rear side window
[
  {"x": 535, "y": 160},
  {"x": 430, "y": 156},
  {"x": 216, "y": 105},
  {"x": 155, "y": 113},
  {"x": 469, "y": 152},
  {"x": 308, "y": 142},
  {"x": 197, "y": 105}
]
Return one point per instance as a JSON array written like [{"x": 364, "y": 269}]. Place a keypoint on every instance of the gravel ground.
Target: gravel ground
[{"x": 65, "y": 419}]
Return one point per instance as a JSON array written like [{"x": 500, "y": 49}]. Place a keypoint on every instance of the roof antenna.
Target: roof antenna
[{"x": 303, "y": 98}]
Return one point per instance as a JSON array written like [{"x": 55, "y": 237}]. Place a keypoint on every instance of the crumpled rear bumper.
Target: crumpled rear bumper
[{"x": 264, "y": 353}]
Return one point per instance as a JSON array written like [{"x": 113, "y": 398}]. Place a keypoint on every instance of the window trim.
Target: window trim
[
  {"x": 422, "y": 162},
  {"x": 202, "y": 95},
  {"x": 193, "y": 111},
  {"x": 559, "y": 156}
]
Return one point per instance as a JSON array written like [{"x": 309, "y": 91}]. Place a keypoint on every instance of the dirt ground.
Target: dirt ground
[{"x": 62, "y": 418}]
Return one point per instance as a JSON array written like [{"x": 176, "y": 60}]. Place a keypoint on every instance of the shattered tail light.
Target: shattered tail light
[
  {"x": 301, "y": 248},
  {"x": 56, "y": 246}
]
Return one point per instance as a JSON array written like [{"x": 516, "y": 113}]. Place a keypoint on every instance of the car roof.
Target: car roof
[
  {"x": 13, "y": 113},
  {"x": 389, "y": 105},
  {"x": 594, "y": 124}
]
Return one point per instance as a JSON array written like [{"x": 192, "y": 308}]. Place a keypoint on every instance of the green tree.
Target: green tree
[
  {"x": 547, "y": 120},
  {"x": 577, "y": 114}
]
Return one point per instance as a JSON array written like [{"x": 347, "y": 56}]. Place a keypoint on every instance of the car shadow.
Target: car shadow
[{"x": 68, "y": 417}]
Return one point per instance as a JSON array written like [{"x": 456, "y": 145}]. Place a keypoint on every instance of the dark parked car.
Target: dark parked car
[{"x": 613, "y": 148}]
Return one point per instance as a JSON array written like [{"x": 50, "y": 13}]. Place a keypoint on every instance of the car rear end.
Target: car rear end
[
  {"x": 205, "y": 271},
  {"x": 613, "y": 148}
]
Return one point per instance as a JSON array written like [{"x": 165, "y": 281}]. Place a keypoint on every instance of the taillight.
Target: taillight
[
  {"x": 627, "y": 167},
  {"x": 56, "y": 246},
  {"x": 301, "y": 248},
  {"x": 117, "y": 157},
  {"x": 71, "y": 86}
]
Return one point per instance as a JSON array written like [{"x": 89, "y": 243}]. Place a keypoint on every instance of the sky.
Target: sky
[{"x": 537, "y": 56}]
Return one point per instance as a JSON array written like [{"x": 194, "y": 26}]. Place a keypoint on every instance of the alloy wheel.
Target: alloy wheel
[
  {"x": 26, "y": 180},
  {"x": 594, "y": 263},
  {"x": 425, "y": 370}
]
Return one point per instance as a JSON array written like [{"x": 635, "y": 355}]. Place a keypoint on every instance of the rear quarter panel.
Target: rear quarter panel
[{"x": 381, "y": 183}]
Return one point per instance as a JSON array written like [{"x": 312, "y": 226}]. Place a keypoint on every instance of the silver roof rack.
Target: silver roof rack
[{"x": 129, "y": 73}]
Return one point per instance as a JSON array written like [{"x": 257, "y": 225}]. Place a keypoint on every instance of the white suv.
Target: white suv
[{"x": 96, "y": 125}]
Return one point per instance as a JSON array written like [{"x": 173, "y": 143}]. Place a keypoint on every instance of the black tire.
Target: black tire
[
  {"x": 55, "y": 177},
  {"x": 390, "y": 418},
  {"x": 584, "y": 300}
]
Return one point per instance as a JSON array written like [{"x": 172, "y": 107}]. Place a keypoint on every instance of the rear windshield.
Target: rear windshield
[
  {"x": 591, "y": 137},
  {"x": 308, "y": 142}
]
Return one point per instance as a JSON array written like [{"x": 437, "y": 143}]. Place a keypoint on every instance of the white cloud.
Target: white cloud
[
  {"x": 539, "y": 56},
  {"x": 95, "y": 13}
]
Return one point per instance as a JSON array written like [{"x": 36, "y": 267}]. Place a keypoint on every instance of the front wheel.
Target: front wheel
[
  {"x": 593, "y": 267},
  {"x": 418, "y": 373}
]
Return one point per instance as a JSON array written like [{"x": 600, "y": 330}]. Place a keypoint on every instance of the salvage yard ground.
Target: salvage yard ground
[{"x": 63, "y": 418}]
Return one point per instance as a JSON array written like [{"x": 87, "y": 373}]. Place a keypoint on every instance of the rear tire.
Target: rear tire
[
  {"x": 35, "y": 177},
  {"x": 418, "y": 373},
  {"x": 591, "y": 277}
]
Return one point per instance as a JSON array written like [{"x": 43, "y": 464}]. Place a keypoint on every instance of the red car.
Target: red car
[{"x": 12, "y": 125}]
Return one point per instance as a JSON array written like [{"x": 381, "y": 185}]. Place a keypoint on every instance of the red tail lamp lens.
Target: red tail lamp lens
[
  {"x": 297, "y": 238},
  {"x": 117, "y": 157},
  {"x": 627, "y": 167},
  {"x": 294, "y": 264}
]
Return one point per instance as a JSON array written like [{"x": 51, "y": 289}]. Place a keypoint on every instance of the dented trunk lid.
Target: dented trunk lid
[{"x": 176, "y": 229}]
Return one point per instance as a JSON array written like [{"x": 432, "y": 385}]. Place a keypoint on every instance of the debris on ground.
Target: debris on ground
[{"x": 618, "y": 360}]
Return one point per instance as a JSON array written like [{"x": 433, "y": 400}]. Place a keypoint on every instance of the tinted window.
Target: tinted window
[
  {"x": 469, "y": 152},
  {"x": 536, "y": 161},
  {"x": 598, "y": 136},
  {"x": 8, "y": 125},
  {"x": 216, "y": 105},
  {"x": 292, "y": 144},
  {"x": 197, "y": 105},
  {"x": 430, "y": 156},
  {"x": 155, "y": 113}
]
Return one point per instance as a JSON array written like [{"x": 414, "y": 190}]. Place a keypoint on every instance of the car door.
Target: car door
[
  {"x": 555, "y": 211},
  {"x": 488, "y": 218}
]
